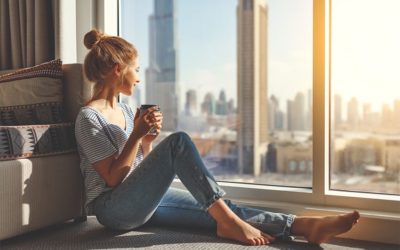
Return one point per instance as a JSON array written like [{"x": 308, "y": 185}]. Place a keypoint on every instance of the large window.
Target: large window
[
  {"x": 365, "y": 96},
  {"x": 287, "y": 100},
  {"x": 322, "y": 59},
  {"x": 236, "y": 75}
]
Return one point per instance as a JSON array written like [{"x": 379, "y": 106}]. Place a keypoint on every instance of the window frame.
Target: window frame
[{"x": 319, "y": 195}]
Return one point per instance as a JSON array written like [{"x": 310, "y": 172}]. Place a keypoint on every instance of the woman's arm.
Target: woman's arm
[
  {"x": 147, "y": 148},
  {"x": 114, "y": 169}
]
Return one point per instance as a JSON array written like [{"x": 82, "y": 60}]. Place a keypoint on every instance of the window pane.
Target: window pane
[
  {"x": 234, "y": 74},
  {"x": 365, "y": 101}
]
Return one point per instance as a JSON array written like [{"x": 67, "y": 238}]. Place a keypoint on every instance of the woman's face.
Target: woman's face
[{"x": 130, "y": 78}]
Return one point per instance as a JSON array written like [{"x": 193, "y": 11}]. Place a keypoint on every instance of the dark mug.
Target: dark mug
[{"x": 143, "y": 108}]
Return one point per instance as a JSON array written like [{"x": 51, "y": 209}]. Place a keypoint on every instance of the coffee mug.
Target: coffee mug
[{"x": 143, "y": 108}]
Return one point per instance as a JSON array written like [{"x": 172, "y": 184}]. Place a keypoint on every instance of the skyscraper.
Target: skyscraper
[
  {"x": 353, "y": 116},
  {"x": 290, "y": 115},
  {"x": 208, "y": 105},
  {"x": 273, "y": 107},
  {"x": 299, "y": 112},
  {"x": 162, "y": 74},
  {"x": 222, "y": 104},
  {"x": 338, "y": 110},
  {"x": 252, "y": 83},
  {"x": 191, "y": 103}
]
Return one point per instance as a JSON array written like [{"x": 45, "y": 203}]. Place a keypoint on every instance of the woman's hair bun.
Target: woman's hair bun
[{"x": 92, "y": 38}]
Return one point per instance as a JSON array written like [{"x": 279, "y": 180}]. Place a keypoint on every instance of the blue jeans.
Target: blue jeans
[{"x": 146, "y": 196}]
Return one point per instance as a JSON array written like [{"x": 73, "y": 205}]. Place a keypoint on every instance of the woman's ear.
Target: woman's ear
[{"x": 117, "y": 70}]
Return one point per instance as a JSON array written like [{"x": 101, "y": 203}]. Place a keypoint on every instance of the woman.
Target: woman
[{"x": 128, "y": 184}]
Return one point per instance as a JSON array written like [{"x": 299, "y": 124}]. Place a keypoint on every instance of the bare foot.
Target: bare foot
[
  {"x": 239, "y": 230},
  {"x": 324, "y": 228}
]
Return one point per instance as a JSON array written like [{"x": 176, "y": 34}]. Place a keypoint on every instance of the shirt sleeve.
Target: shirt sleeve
[{"x": 93, "y": 140}]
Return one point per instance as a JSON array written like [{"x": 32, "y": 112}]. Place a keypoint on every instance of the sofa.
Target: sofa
[{"x": 39, "y": 187}]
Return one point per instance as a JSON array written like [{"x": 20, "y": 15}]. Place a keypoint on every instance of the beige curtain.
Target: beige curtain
[{"x": 28, "y": 32}]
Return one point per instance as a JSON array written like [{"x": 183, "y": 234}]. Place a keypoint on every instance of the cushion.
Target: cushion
[
  {"x": 36, "y": 140},
  {"x": 32, "y": 95}
]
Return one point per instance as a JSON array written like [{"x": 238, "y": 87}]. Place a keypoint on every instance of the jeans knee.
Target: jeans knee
[
  {"x": 179, "y": 141},
  {"x": 180, "y": 136}
]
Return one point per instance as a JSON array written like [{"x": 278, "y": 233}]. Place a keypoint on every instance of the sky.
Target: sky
[
  {"x": 365, "y": 46},
  {"x": 366, "y": 50}
]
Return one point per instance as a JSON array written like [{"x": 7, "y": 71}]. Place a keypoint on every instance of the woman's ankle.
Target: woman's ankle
[{"x": 221, "y": 212}]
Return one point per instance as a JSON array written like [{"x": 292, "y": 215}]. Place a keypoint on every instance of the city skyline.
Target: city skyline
[
  {"x": 289, "y": 46},
  {"x": 210, "y": 63}
]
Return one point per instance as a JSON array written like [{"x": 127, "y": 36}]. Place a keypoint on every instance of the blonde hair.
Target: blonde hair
[{"x": 105, "y": 52}]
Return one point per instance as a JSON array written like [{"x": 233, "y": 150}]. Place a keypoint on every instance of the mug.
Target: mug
[{"x": 143, "y": 108}]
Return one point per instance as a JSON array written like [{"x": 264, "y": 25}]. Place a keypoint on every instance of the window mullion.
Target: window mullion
[{"x": 320, "y": 146}]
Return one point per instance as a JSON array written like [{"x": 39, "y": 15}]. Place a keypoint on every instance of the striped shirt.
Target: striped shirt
[{"x": 98, "y": 139}]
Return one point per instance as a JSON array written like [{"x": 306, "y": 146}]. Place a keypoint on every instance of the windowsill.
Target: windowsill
[
  {"x": 387, "y": 197},
  {"x": 304, "y": 190},
  {"x": 266, "y": 187},
  {"x": 287, "y": 206}
]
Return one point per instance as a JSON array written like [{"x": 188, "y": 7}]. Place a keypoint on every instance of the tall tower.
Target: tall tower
[
  {"x": 252, "y": 84},
  {"x": 352, "y": 113},
  {"x": 299, "y": 112},
  {"x": 191, "y": 103},
  {"x": 338, "y": 110},
  {"x": 162, "y": 74},
  {"x": 273, "y": 106}
]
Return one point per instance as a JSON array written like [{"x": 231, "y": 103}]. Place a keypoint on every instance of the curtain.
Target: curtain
[{"x": 28, "y": 32}]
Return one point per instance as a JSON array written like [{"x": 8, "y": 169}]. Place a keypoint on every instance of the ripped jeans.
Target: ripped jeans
[{"x": 146, "y": 196}]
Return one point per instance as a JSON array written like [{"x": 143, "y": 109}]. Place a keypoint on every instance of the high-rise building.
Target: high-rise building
[
  {"x": 290, "y": 115},
  {"x": 191, "y": 103},
  {"x": 275, "y": 115},
  {"x": 367, "y": 115},
  {"x": 222, "y": 104},
  {"x": 208, "y": 105},
  {"x": 251, "y": 84},
  {"x": 296, "y": 113},
  {"x": 387, "y": 115},
  {"x": 353, "y": 116},
  {"x": 337, "y": 110},
  {"x": 162, "y": 73},
  {"x": 299, "y": 112},
  {"x": 273, "y": 105}
]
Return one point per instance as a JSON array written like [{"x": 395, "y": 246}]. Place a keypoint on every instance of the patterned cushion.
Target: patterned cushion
[
  {"x": 36, "y": 140},
  {"x": 32, "y": 95}
]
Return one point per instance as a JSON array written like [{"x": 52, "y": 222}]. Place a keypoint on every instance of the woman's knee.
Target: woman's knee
[{"x": 179, "y": 137}]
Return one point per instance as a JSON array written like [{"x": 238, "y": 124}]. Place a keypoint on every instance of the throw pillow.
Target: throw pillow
[
  {"x": 32, "y": 95},
  {"x": 36, "y": 140}
]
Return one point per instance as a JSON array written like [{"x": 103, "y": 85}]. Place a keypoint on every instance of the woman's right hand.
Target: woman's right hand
[{"x": 143, "y": 122}]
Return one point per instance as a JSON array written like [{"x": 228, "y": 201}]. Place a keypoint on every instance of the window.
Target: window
[
  {"x": 275, "y": 134},
  {"x": 238, "y": 80},
  {"x": 365, "y": 145}
]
